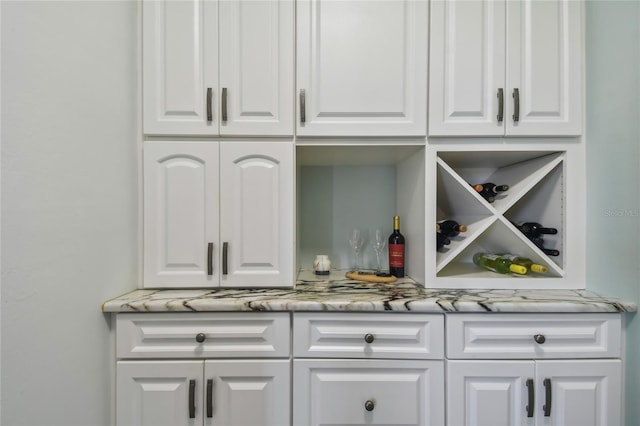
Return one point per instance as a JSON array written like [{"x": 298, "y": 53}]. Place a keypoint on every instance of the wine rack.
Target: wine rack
[{"x": 538, "y": 180}]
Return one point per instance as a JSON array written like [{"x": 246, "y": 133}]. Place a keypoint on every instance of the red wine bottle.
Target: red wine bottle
[
  {"x": 539, "y": 242},
  {"x": 396, "y": 250},
  {"x": 441, "y": 240},
  {"x": 450, "y": 228},
  {"x": 534, "y": 229},
  {"x": 490, "y": 190}
]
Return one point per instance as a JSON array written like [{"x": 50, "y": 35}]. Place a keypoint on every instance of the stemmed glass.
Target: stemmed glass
[
  {"x": 379, "y": 243},
  {"x": 356, "y": 241}
]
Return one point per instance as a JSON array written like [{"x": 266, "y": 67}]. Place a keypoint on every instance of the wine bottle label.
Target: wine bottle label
[
  {"x": 396, "y": 255},
  {"x": 490, "y": 256}
]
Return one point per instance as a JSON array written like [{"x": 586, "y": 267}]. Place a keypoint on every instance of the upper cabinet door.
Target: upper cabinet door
[
  {"x": 545, "y": 65},
  {"x": 180, "y": 214},
  {"x": 180, "y": 66},
  {"x": 506, "y": 68},
  {"x": 257, "y": 216},
  {"x": 466, "y": 68},
  {"x": 362, "y": 67},
  {"x": 257, "y": 43}
]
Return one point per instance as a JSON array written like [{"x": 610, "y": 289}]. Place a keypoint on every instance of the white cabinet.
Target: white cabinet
[
  {"x": 368, "y": 392},
  {"x": 154, "y": 388},
  {"x": 221, "y": 392},
  {"x": 362, "y": 67},
  {"x": 506, "y": 68},
  {"x": 558, "y": 393},
  {"x": 214, "y": 67},
  {"x": 218, "y": 214},
  {"x": 501, "y": 371},
  {"x": 368, "y": 369}
]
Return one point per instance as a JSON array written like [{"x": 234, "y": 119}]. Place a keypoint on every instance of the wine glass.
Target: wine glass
[
  {"x": 356, "y": 241},
  {"x": 379, "y": 243}
]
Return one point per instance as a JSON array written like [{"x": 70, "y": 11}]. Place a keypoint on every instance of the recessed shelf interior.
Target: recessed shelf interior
[
  {"x": 536, "y": 194},
  {"x": 345, "y": 187},
  {"x": 497, "y": 238}
]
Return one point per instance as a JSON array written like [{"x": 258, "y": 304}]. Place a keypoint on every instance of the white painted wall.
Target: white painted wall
[
  {"x": 613, "y": 166},
  {"x": 69, "y": 203}
]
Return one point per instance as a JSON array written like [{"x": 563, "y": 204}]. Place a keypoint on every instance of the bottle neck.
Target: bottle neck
[{"x": 396, "y": 223}]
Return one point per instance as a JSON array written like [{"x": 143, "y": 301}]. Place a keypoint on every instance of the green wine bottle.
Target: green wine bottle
[
  {"x": 526, "y": 262},
  {"x": 495, "y": 263}
]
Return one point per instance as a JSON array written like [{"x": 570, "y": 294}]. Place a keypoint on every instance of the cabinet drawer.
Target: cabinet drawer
[
  {"x": 354, "y": 335},
  {"x": 203, "y": 335},
  {"x": 530, "y": 336},
  {"x": 368, "y": 392}
]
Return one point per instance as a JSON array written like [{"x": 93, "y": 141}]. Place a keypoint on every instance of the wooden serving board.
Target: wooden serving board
[{"x": 370, "y": 278}]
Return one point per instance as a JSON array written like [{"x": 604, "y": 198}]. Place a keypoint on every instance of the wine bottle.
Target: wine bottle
[
  {"x": 490, "y": 190},
  {"x": 534, "y": 229},
  {"x": 495, "y": 263},
  {"x": 396, "y": 250},
  {"x": 539, "y": 242},
  {"x": 451, "y": 228},
  {"x": 441, "y": 240},
  {"x": 526, "y": 262}
]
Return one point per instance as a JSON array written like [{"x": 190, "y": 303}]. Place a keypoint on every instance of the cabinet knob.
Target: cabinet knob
[
  {"x": 369, "y": 338},
  {"x": 200, "y": 337},
  {"x": 539, "y": 338},
  {"x": 369, "y": 405}
]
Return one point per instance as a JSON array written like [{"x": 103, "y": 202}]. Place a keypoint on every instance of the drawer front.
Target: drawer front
[
  {"x": 203, "y": 335},
  {"x": 368, "y": 392},
  {"x": 531, "y": 336},
  {"x": 353, "y": 335}
]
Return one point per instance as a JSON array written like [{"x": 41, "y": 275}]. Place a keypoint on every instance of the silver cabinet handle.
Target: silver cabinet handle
[
  {"x": 547, "y": 397},
  {"x": 224, "y": 104},
  {"x": 500, "y": 105},
  {"x": 303, "y": 113},
  {"x": 192, "y": 399},
  {"x": 210, "y": 259},
  {"x": 209, "y": 100},
  {"x": 225, "y": 252},
  {"x": 530, "y": 399},
  {"x": 516, "y": 105},
  {"x": 369, "y": 405},
  {"x": 209, "y": 398},
  {"x": 369, "y": 338},
  {"x": 201, "y": 337}
]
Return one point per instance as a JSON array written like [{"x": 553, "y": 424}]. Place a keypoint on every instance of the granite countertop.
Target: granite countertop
[{"x": 341, "y": 294}]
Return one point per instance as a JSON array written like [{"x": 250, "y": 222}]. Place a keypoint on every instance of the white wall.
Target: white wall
[
  {"x": 613, "y": 166},
  {"x": 69, "y": 203}
]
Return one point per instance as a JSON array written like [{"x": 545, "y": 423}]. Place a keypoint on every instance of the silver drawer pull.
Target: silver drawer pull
[
  {"x": 539, "y": 338},
  {"x": 303, "y": 107},
  {"x": 200, "y": 337},
  {"x": 369, "y": 338},
  {"x": 369, "y": 405}
]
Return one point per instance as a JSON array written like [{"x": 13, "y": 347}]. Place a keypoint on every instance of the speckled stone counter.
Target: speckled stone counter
[{"x": 349, "y": 295}]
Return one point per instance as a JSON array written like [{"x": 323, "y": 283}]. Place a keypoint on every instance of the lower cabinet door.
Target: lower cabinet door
[
  {"x": 247, "y": 392},
  {"x": 196, "y": 393},
  {"x": 368, "y": 392},
  {"x": 490, "y": 393},
  {"x": 534, "y": 393},
  {"x": 159, "y": 393},
  {"x": 579, "y": 392}
]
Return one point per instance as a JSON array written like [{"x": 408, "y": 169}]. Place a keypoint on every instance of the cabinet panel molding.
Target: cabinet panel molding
[
  {"x": 529, "y": 336},
  {"x": 362, "y": 67},
  {"x": 166, "y": 335},
  {"x": 180, "y": 213},
  {"x": 180, "y": 56}
]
